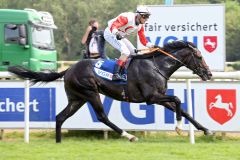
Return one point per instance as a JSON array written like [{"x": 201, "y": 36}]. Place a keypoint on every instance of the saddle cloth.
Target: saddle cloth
[{"x": 104, "y": 68}]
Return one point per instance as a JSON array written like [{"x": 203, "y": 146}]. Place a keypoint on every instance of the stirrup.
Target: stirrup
[{"x": 118, "y": 77}]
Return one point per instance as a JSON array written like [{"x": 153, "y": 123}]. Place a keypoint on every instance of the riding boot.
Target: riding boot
[{"x": 117, "y": 73}]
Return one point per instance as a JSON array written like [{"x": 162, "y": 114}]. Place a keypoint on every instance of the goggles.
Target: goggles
[{"x": 145, "y": 16}]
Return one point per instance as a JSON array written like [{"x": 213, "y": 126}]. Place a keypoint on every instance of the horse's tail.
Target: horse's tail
[{"x": 35, "y": 76}]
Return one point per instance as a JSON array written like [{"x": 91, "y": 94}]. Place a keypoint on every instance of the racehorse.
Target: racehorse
[{"x": 147, "y": 77}]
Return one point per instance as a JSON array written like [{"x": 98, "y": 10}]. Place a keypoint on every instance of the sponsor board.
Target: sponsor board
[
  {"x": 41, "y": 104},
  {"x": 203, "y": 25},
  {"x": 215, "y": 106},
  {"x": 133, "y": 116}
]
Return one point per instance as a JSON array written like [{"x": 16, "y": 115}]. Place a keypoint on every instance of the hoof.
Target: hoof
[
  {"x": 133, "y": 139},
  {"x": 178, "y": 130},
  {"x": 208, "y": 133}
]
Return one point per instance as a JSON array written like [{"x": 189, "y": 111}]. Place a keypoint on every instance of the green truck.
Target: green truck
[{"x": 26, "y": 39}]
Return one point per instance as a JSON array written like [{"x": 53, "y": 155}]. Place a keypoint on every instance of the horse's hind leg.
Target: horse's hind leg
[
  {"x": 71, "y": 108},
  {"x": 102, "y": 117}
]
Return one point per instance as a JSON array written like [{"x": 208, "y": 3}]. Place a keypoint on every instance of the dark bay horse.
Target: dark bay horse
[{"x": 148, "y": 75}]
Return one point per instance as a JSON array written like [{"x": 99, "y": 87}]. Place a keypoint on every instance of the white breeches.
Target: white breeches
[{"x": 123, "y": 45}]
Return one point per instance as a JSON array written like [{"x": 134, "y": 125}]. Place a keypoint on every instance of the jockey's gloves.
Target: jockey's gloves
[{"x": 119, "y": 36}]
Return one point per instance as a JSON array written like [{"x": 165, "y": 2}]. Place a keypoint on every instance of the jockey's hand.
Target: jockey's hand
[
  {"x": 135, "y": 51},
  {"x": 119, "y": 36}
]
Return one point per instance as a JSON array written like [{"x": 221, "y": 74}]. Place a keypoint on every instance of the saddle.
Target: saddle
[{"x": 104, "y": 68}]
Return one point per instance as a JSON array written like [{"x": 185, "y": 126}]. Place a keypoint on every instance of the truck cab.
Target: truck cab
[{"x": 26, "y": 39}]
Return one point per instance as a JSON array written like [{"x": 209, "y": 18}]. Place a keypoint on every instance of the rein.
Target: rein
[
  {"x": 158, "y": 70},
  {"x": 150, "y": 50}
]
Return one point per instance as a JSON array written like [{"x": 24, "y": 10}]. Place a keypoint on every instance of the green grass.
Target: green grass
[{"x": 90, "y": 146}]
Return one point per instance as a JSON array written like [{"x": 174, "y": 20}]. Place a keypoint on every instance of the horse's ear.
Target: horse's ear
[
  {"x": 190, "y": 44},
  {"x": 196, "y": 51}
]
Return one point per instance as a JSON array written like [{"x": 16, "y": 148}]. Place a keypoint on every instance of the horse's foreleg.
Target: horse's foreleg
[
  {"x": 174, "y": 99},
  {"x": 171, "y": 106},
  {"x": 102, "y": 117},
  {"x": 71, "y": 108}
]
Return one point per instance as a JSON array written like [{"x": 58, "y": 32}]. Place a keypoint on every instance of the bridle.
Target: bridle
[{"x": 196, "y": 69}]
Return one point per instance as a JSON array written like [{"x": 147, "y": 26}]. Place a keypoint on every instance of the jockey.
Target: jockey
[{"x": 123, "y": 25}]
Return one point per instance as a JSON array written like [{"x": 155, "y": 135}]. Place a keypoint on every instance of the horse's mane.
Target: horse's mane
[
  {"x": 168, "y": 47},
  {"x": 174, "y": 45},
  {"x": 145, "y": 56}
]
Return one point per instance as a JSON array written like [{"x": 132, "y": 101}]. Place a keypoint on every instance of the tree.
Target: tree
[
  {"x": 233, "y": 30},
  {"x": 72, "y": 18}
]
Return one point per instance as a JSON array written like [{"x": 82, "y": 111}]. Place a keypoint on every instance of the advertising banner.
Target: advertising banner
[
  {"x": 42, "y": 105},
  {"x": 203, "y": 25},
  {"x": 215, "y": 105}
]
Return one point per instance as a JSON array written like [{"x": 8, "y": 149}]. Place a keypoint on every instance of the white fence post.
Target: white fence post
[
  {"x": 26, "y": 101},
  {"x": 26, "y": 111},
  {"x": 189, "y": 103}
]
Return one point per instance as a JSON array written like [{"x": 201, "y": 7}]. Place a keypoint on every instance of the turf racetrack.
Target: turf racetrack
[{"x": 162, "y": 146}]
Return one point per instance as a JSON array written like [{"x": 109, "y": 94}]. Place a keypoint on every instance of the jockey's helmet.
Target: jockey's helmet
[{"x": 143, "y": 11}]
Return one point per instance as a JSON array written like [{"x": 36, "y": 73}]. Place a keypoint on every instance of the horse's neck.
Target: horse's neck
[{"x": 168, "y": 66}]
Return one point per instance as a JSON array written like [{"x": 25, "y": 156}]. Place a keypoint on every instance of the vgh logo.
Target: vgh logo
[
  {"x": 221, "y": 105},
  {"x": 210, "y": 43}
]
